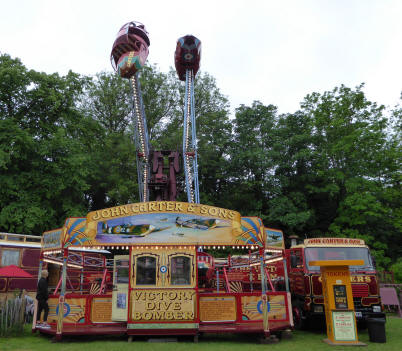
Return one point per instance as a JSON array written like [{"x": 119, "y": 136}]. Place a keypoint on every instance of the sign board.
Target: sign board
[
  {"x": 340, "y": 296},
  {"x": 164, "y": 223},
  {"x": 163, "y": 305},
  {"x": 344, "y": 327},
  {"x": 101, "y": 310},
  {"x": 334, "y": 242},
  {"x": 52, "y": 239},
  {"x": 217, "y": 308},
  {"x": 274, "y": 238}
]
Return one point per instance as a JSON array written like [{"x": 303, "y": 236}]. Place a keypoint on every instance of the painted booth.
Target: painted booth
[{"x": 157, "y": 277}]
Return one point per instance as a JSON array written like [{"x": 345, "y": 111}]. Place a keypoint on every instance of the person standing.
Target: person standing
[{"x": 42, "y": 295}]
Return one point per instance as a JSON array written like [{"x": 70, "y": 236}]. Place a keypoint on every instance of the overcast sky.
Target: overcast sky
[{"x": 273, "y": 51}]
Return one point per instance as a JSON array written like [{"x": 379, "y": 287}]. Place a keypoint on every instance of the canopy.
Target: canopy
[{"x": 13, "y": 271}]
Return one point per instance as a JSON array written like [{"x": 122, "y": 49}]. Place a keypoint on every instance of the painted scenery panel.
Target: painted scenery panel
[
  {"x": 163, "y": 228},
  {"x": 164, "y": 222},
  {"x": 274, "y": 238}
]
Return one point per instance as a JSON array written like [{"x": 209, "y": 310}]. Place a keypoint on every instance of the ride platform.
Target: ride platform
[{"x": 91, "y": 329}]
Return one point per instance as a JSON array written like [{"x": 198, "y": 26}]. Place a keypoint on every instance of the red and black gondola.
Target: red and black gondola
[
  {"x": 130, "y": 49},
  {"x": 187, "y": 55}
]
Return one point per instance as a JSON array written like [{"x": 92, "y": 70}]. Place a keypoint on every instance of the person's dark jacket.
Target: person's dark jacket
[{"x": 42, "y": 292}]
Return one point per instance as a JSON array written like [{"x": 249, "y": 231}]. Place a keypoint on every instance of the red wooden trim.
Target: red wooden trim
[
  {"x": 197, "y": 294},
  {"x": 88, "y": 308},
  {"x": 258, "y": 293},
  {"x": 163, "y": 322},
  {"x": 129, "y": 284},
  {"x": 78, "y": 295},
  {"x": 239, "y": 309},
  {"x": 175, "y": 332}
]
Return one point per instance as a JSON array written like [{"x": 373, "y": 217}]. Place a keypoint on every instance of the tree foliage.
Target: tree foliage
[
  {"x": 332, "y": 168},
  {"x": 42, "y": 168}
]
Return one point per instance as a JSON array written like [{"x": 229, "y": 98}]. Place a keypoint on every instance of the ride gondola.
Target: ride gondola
[
  {"x": 130, "y": 49},
  {"x": 187, "y": 55}
]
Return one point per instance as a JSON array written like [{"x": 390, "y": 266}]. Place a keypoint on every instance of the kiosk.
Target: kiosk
[{"x": 338, "y": 301}]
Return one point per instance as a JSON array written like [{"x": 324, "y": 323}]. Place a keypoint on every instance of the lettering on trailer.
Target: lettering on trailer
[
  {"x": 333, "y": 241},
  {"x": 166, "y": 305},
  {"x": 355, "y": 278},
  {"x": 163, "y": 206},
  {"x": 338, "y": 274},
  {"x": 360, "y": 278}
]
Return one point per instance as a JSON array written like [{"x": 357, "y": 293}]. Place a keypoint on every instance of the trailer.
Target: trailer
[{"x": 161, "y": 280}]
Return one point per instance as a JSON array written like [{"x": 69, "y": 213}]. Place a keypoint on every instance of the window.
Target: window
[
  {"x": 180, "y": 270},
  {"x": 146, "y": 270},
  {"x": 339, "y": 253},
  {"x": 122, "y": 272},
  {"x": 10, "y": 257},
  {"x": 296, "y": 259}
]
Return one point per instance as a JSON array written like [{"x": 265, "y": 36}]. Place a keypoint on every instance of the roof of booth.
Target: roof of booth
[
  {"x": 13, "y": 271},
  {"x": 158, "y": 223}
]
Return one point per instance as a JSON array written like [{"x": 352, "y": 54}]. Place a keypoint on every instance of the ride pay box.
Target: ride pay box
[{"x": 338, "y": 301}]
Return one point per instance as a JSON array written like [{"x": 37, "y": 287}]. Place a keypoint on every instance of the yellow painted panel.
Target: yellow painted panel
[
  {"x": 163, "y": 305},
  {"x": 252, "y": 307},
  {"x": 333, "y": 263},
  {"x": 74, "y": 310},
  {"x": 163, "y": 257},
  {"x": 101, "y": 310}
]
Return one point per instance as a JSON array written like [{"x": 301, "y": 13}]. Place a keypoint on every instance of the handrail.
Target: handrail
[
  {"x": 58, "y": 285},
  {"x": 20, "y": 237},
  {"x": 103, "y": 281},
  {"x": 226, "y": 280},
  {"x": 269, "y": 279}
]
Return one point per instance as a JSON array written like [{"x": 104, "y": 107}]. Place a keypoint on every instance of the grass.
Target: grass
[{"x": 302, "y": 340}]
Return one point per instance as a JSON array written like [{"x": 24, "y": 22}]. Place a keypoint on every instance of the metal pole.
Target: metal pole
[
  {"x": 264, "y": 298},
  {"x": 217, "y": 281},
  {"x": 285, "y": 270},
  {"x": 251, "y": 279},
  {"x": 60, "y": 313},
  {"x": 36, "y": 301},
  {"x": 81, "y": 279}
]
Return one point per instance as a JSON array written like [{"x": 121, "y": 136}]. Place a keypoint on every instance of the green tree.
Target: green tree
[
  {"x": 251, "y": 159},
  {"x": 348, "y": 181},
  {"x": 107, "y": 105},
  {"x": 290, "y": 206},
  {"x": 42, "y": 167}
]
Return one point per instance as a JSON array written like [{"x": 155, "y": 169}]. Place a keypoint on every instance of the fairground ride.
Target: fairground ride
[
  {"x": 128, "y": 56},
  {"x": 159, "y": 280}
]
